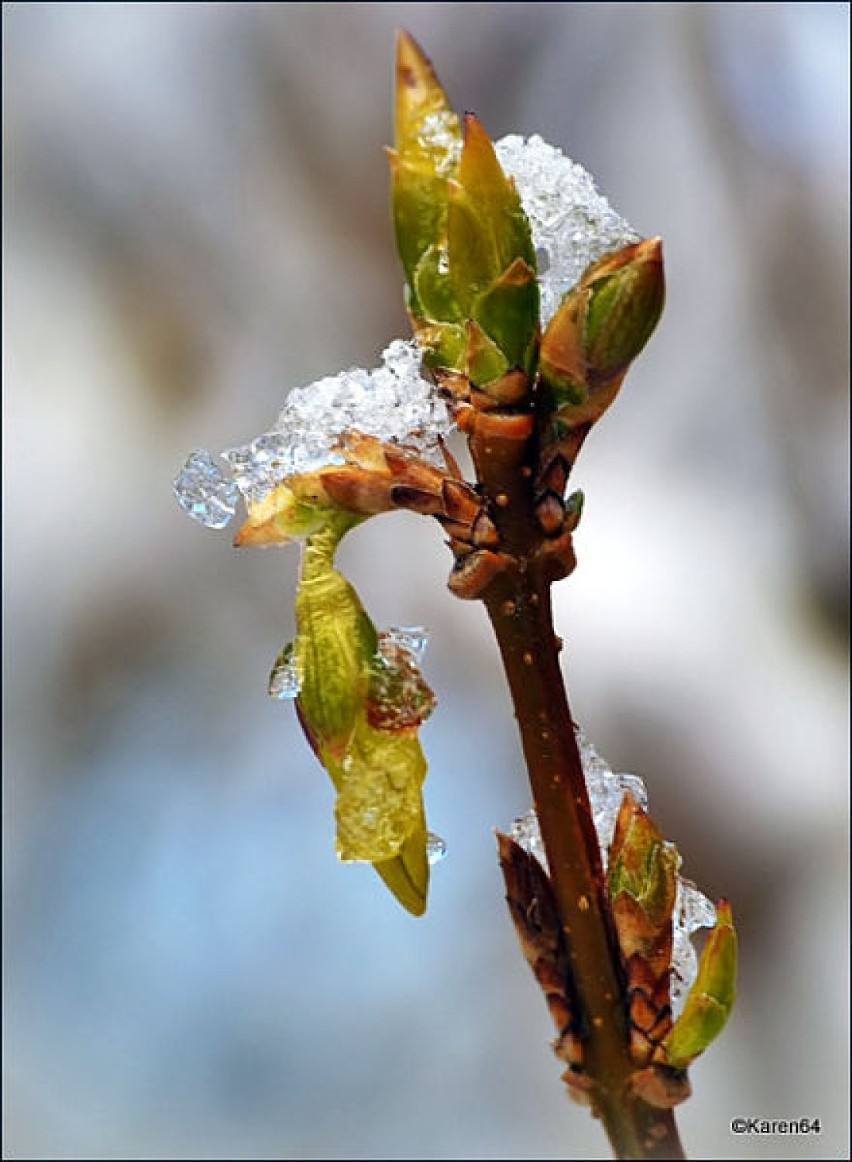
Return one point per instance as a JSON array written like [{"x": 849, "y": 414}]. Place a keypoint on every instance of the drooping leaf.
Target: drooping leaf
[{"x": 360, "y": 711}]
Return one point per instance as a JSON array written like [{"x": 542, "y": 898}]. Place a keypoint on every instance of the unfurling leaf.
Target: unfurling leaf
[{"x": 711, "y": 998}]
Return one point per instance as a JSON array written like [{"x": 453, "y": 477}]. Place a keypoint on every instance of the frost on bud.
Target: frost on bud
[
  {"x": 711, "y": 998},
  {"x": 597, "y": 331},
  {"x": 641, "y": 880}
]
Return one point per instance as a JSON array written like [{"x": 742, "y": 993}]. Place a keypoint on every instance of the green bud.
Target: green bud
[
  {"x": 573, "y": 509},
  {"x": 625, "y": 301},
  {"x": 711, "y": 998},
  {"x": 641, "y": 880},
  {"x": 600, "y": 327}
]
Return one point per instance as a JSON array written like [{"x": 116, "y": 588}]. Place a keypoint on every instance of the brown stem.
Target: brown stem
[{"x": 518, "y": 604}]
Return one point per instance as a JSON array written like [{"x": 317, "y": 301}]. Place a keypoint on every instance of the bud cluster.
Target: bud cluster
[{"x": 692, "y": 909}]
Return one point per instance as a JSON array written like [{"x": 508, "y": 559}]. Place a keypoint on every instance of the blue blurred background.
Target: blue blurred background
[{"x": 196, "y": 221}]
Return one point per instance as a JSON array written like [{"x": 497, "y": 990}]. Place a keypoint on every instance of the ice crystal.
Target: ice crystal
[
  {"x": 284, "y": 681},
  {"x": 606, "y": 790},
  {"x": 393, "y": 403},
  {"x": 398, "y": 697},
  {"x": 205, "y": 492},
  {"x": 692, "y": 911},
  {"x": 572, "y": 224},
  {"x": 526, "y": 833},
  {"x": 411, "y": 638}
]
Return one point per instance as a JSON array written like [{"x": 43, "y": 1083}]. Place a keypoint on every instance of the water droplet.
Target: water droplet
[
  {"x": 436, "y": 847},
  {"x": 205, "y": 492},
  {"x": 284, "y": 681}
]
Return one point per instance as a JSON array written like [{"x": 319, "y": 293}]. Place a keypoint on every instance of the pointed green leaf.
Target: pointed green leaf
[
  {"x": 419, "y": 95},
  {"x": 419, "y": 207},
  {"x": 407, "y": 874},
  {"x": 508, "y": 312},
  {"x": 487, "y": 229},
  {"x": 643, "y": 867},
  {"x": 483, "y": 359},
  {"x": 428, "y": 140}
]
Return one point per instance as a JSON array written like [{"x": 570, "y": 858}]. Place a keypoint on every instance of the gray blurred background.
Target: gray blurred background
[{"x": 196, "y": 221}]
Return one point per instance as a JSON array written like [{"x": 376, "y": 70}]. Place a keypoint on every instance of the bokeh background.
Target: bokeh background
[{"x": 196, "y": 221}]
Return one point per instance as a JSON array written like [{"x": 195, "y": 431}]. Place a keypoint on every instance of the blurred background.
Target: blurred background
[{"x": 196, "y": 222}]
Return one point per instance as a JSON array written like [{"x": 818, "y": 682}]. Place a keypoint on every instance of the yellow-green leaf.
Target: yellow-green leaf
[
  {"x": 407, "y": 874},
  {"x": 379, "y": 803}
]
